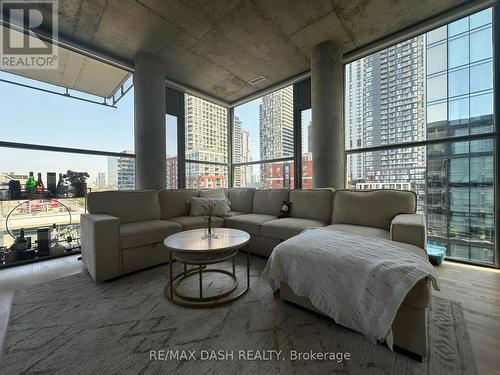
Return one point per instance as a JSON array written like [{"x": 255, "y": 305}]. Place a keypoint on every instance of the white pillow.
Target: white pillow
[{"x": 198, "y": 206}]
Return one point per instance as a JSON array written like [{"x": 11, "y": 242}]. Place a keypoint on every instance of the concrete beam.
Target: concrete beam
[
  {"x": 327, "y": 99},
  {"x": 150, "y": 127}
]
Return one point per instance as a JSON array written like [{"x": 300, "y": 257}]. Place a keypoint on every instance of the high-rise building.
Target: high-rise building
[
  {"x": 100, "y": 180},
  {"x": 276, "y": 124},
  {"x": 385, "y": 104},
  {"x": 237, "y": 151},
  {"x": 276, "y": 135},
  {"x": 460, "y": 175},
  {"x": 172, "y": 178},
  {"x": 206, "y": 140},
  {"x": 121, "y": 172}
]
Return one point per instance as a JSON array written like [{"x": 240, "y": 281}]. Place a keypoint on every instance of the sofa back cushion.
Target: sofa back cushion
[
  {"x": 269, "y": 202},
  {"x": 128, "y": 206},
  {"x": 176, "y": 202},
  {"x": 373, "y": 208},
  {"x": 311, "y": 204},
  {"x": 213, "y": 193},
  {"x": 241, "y": 199}
]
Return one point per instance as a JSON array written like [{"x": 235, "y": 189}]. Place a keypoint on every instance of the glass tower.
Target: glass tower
[{"x": 459, "y": 102}]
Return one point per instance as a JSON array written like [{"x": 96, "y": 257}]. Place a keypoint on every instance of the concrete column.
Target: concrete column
[
  {"x": 327, "y": 99},
  {"x": 150, "y": 127}
]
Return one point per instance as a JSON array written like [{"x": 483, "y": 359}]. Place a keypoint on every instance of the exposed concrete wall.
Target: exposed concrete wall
[
  {"x": 150, "y": 127},
  {"x": 327, "y": 99}
]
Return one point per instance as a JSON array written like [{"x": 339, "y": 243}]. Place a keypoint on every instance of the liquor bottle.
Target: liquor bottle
[
  {"x": 54, "y": 235},
  {"x": 21, "y": 242},
  {"x": 30, "y": 184},
  {"x": 40, "y": 188},
  {"x": 62, "y": 189}
]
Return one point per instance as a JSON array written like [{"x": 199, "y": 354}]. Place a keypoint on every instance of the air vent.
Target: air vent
[{"x": 256, "y": 80}]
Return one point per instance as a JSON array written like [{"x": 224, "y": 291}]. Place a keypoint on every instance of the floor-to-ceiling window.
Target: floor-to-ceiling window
[
  {"x": 206, "y": 149},
  {"x": 263, "y": 142},
  {"x": 419, "y": 116}
]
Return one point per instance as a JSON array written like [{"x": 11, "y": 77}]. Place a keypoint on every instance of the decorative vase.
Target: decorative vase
[{"x": 209, "y": 231}]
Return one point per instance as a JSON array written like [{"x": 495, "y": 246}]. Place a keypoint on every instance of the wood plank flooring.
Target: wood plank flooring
[{"x": 477, "y": 288}]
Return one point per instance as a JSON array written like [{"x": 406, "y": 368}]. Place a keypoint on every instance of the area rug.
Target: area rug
[{"x": 126, "y": 326}]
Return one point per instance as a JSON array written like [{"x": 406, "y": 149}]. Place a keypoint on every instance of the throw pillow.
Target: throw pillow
[{"x": 199, "y": 206}]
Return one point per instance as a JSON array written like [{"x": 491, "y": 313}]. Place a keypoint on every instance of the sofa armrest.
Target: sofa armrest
[
  {"x": 100, "y": 238},
  {"x": 410, "y": 229}
]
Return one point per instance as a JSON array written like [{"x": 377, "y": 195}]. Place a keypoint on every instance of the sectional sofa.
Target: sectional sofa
[{"x": 124, "y": 232}]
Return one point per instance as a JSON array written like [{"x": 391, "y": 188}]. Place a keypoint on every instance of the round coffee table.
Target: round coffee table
[{"x": 192, "y": 248}]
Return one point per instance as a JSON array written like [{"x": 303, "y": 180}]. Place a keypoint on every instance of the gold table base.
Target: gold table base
[{"x": 199, "y": 269}]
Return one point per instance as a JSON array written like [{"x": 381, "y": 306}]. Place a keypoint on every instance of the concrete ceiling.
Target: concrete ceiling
[
  {"x": 217, "y": 46},
  {"x": 77, "y": 72}
]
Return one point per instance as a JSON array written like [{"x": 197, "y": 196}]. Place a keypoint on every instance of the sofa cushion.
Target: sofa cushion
[
  {"x": 176, "y": 202},
  {"x": 128, "y": 206},
  {"x": 362, "y": 230},
  {"x": 311, "y": 204},
  {"x": 250, "y": 223},
  {"x": 288, "y": 227},
  {"x": 213, "y": 193},
  {"x": 241, "y": 199},
  {"x": 374, "y": 208},
  {"x": 197, "y": 222},
  {"x": 268, "y": 202},
  {"x": 235, "y": 213},
  {"x": 146, "y": 232}
]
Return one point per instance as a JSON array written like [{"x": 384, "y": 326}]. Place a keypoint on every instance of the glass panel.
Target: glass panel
[
  {"x": 458, "y": 82},
  {"x": 266, "y": 124},
  {"x": 437, "y": 58},
  {"x": 458, "y": 27},
  {"x": 206, "y": 130},
  {"x": 436, "y": 35},
  {"x": 171, "y": 123},
  {"x": 455, "y": 189},
  {"x": 480, "y": 18},
  {"x": 459, "y": 111},
  {"x": 458, "y": 51},
  {"x": 276, "y": 175},
  {"x": 481, "y": 46},
  {"x": 55, "y": 120},
  {"x": 206, "y": 176},
  {"x": 436, "y": 88},
  {"x": 481, "y": 106},
  {"x": 481, "y": 77},
  {"x": 307, "y": 163},
  {"x": 104, "y": 173}
]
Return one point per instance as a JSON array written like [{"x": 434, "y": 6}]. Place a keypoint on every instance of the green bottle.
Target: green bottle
[{"x": 30, "y": 184}]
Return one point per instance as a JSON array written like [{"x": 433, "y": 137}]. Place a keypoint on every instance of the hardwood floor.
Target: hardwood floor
[{"x": 476, "y": 288}]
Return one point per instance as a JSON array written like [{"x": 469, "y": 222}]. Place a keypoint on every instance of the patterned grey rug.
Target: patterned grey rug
[{"x": 75, "y": 326}]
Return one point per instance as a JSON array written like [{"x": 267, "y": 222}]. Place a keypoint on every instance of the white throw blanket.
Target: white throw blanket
[{"x": 360, "y": 282}]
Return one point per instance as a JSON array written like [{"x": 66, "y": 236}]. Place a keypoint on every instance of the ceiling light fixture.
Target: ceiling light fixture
[{"x": 256, "y": 80}]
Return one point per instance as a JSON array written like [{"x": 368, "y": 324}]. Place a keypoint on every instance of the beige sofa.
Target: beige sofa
[{"x": 124, "y": 232}]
